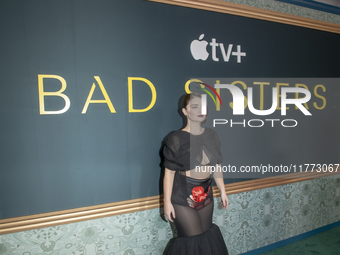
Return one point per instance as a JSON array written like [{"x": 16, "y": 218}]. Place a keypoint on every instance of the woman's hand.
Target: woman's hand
[
  {"x": 224, "y": 200},
  {"x": 218, "y": 176},
  {"x": 168, "y": 211},
  {"x": 168, "y": 181}
]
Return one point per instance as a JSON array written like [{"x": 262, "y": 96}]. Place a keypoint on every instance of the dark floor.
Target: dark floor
[{"x": 327, "y": 243}]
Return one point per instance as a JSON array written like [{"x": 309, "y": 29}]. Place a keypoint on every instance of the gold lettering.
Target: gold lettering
[
  {"x": 297, "y": 94},
  {"x": 279, "y": 94},
  {"x": 245, "y": 98},
  {"x": 42, "y": 94},
  {"x": 153, "y": 93},
  {"x": 186, "y": 86},
  {"x": 106, "y": 101},
  {"x": 261, "y": 91},
  {"x": 218, "y": 105},
  {"x": 321, "y": 97}
]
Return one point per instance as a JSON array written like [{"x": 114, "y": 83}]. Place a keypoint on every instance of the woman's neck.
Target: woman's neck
[{"x": 194, "y": 128}]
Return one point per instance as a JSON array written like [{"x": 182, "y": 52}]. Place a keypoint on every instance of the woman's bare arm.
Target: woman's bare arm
[
  {"x": 168, "y": 181},
  {"x": 218, "y": 177}
]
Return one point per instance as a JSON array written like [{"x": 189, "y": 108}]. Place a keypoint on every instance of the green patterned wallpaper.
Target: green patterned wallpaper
[
  {"x": 290, "y": 9},
  {"x": 254, "y": 219}
]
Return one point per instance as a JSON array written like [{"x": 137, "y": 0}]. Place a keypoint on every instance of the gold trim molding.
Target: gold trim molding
[
  {"x": 254, "y": 12},
  {"x": 24, "y": 223}
]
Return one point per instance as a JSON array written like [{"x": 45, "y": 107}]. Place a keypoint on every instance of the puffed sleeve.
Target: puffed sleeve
[
  {"x": 219, "y": 156},
  {"x": 170, "y": 151}
]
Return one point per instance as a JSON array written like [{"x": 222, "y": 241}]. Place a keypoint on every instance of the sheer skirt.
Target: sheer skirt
[
  {"x": 190, "y": 222},
  {"x": 197, "y": 235}
]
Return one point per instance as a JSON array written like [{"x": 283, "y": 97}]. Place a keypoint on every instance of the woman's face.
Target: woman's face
[{"x": 193, "y": 110}]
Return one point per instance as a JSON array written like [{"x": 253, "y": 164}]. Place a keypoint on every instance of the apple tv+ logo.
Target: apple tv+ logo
[{"x": 199, "y": 51}]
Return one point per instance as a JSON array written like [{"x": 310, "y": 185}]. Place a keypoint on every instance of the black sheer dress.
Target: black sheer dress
[{"x": 192, "y": 197}]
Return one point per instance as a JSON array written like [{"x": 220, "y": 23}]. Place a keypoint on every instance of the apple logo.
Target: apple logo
[{"x": 199, "y": 49}]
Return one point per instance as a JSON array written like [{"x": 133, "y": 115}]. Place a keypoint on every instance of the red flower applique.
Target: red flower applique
[{"x": 198, "y": 194}]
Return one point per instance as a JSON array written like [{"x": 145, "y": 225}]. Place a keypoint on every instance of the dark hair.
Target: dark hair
[{"x": 188, "y": 97}]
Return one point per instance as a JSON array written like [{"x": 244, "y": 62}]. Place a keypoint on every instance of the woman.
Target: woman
[{"x": 189, "y": 155}]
